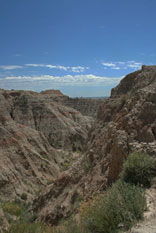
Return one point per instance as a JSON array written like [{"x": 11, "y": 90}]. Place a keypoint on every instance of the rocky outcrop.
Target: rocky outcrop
[
  {"x": 63, "y": 197},
  {"x": 63, "y": 127},
  {"x": 142, "y": 80},
  {"x": 52, "y": 92},
  {"x": 125, "y": 122},
  {"x": 28, "y": 161},
  {"x": 86, "y": 106},
  {"x": 31, "y": 125}
]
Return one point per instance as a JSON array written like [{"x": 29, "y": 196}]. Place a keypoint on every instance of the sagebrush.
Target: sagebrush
[{"x": 139, "y": 169}]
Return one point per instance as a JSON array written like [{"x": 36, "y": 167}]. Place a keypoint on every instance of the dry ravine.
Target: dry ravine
[
  {"x": 61, "y": 151},
  {"x": 125, "y": 122}
]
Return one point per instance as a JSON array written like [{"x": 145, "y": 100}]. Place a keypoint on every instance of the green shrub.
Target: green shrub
[
  {"x": 138, "y": 169},
  {"x": 121, "y": 205},
  {"x": 24, "y": 196},
  {"x": 71, "y": 226},
  {"x": 24, "y": 227},
  {"x": 12, "y": 208}
]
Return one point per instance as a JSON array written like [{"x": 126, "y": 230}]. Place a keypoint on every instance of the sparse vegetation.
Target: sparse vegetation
[
  {"x": 24, "y": 196},
  {"x": 70, "y": 226},
  {"x": 12, "y": 208},
  {"x": 19, "y": 216},
  {"x": 110, "y": 212},
  {"x": 76, "y": 199},
  {"x": 138, "y": 169},
  {"x": 24, "y": 227},
  {"x": 118, "y": 208},
  {"x": 121, "y": 205},
  {"x": 86, "y": 166}
]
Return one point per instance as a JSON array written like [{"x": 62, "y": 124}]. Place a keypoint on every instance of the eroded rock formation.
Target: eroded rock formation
[
  {"x": 27, "y": 159},
  {"x": 125, "y": 122},
  {"x": 62, "y": 126},
  {"x": 31, "y": 125},
  {"x": 86, "y": 106}
]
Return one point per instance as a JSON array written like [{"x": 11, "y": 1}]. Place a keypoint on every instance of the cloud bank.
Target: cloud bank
[
  {"x": 122, "y": 65},
  {"x": 70, "y": 80},
  {"x": 75, "y": 69},
  {"x": 10, "y": 67}
]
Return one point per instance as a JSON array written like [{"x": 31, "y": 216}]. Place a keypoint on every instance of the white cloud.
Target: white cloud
[
  {"x": 121, "y": 62},
  {"x": 122, "y": 65},
  {"x": 10, "y": 67},
  {"x": 109, "y": 64},
  {"x": 116, "y": 68},
  {"x": 57, "y": 67},
  {"x": 79, "y": 69},
  {"x": 35, "y": 65},
  {"x": 70, "y": 80},
  {"x": 75, "y": 69}
]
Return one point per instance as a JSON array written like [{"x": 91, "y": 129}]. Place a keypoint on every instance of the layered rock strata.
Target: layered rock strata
[
  {"x": 125, "y": 122},
  {"x": 31, "y": 125}
]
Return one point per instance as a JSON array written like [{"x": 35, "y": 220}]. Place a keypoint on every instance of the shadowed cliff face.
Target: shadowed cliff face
[
  {"x": 125, "y": 122},
  {"x": 86, "y": 106}
]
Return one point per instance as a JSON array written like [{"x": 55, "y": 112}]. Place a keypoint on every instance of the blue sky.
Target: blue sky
[{"x": 82, "y": 47}]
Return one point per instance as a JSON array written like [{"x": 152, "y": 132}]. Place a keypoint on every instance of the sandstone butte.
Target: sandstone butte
[{"x": 42, "y": 132}]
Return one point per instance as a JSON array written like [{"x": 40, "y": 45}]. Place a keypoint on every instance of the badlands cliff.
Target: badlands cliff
[
  {"x": 125, "y": 122},
  {"x": 33, "y": 127},
  {"x": 63, "y": 151}
]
